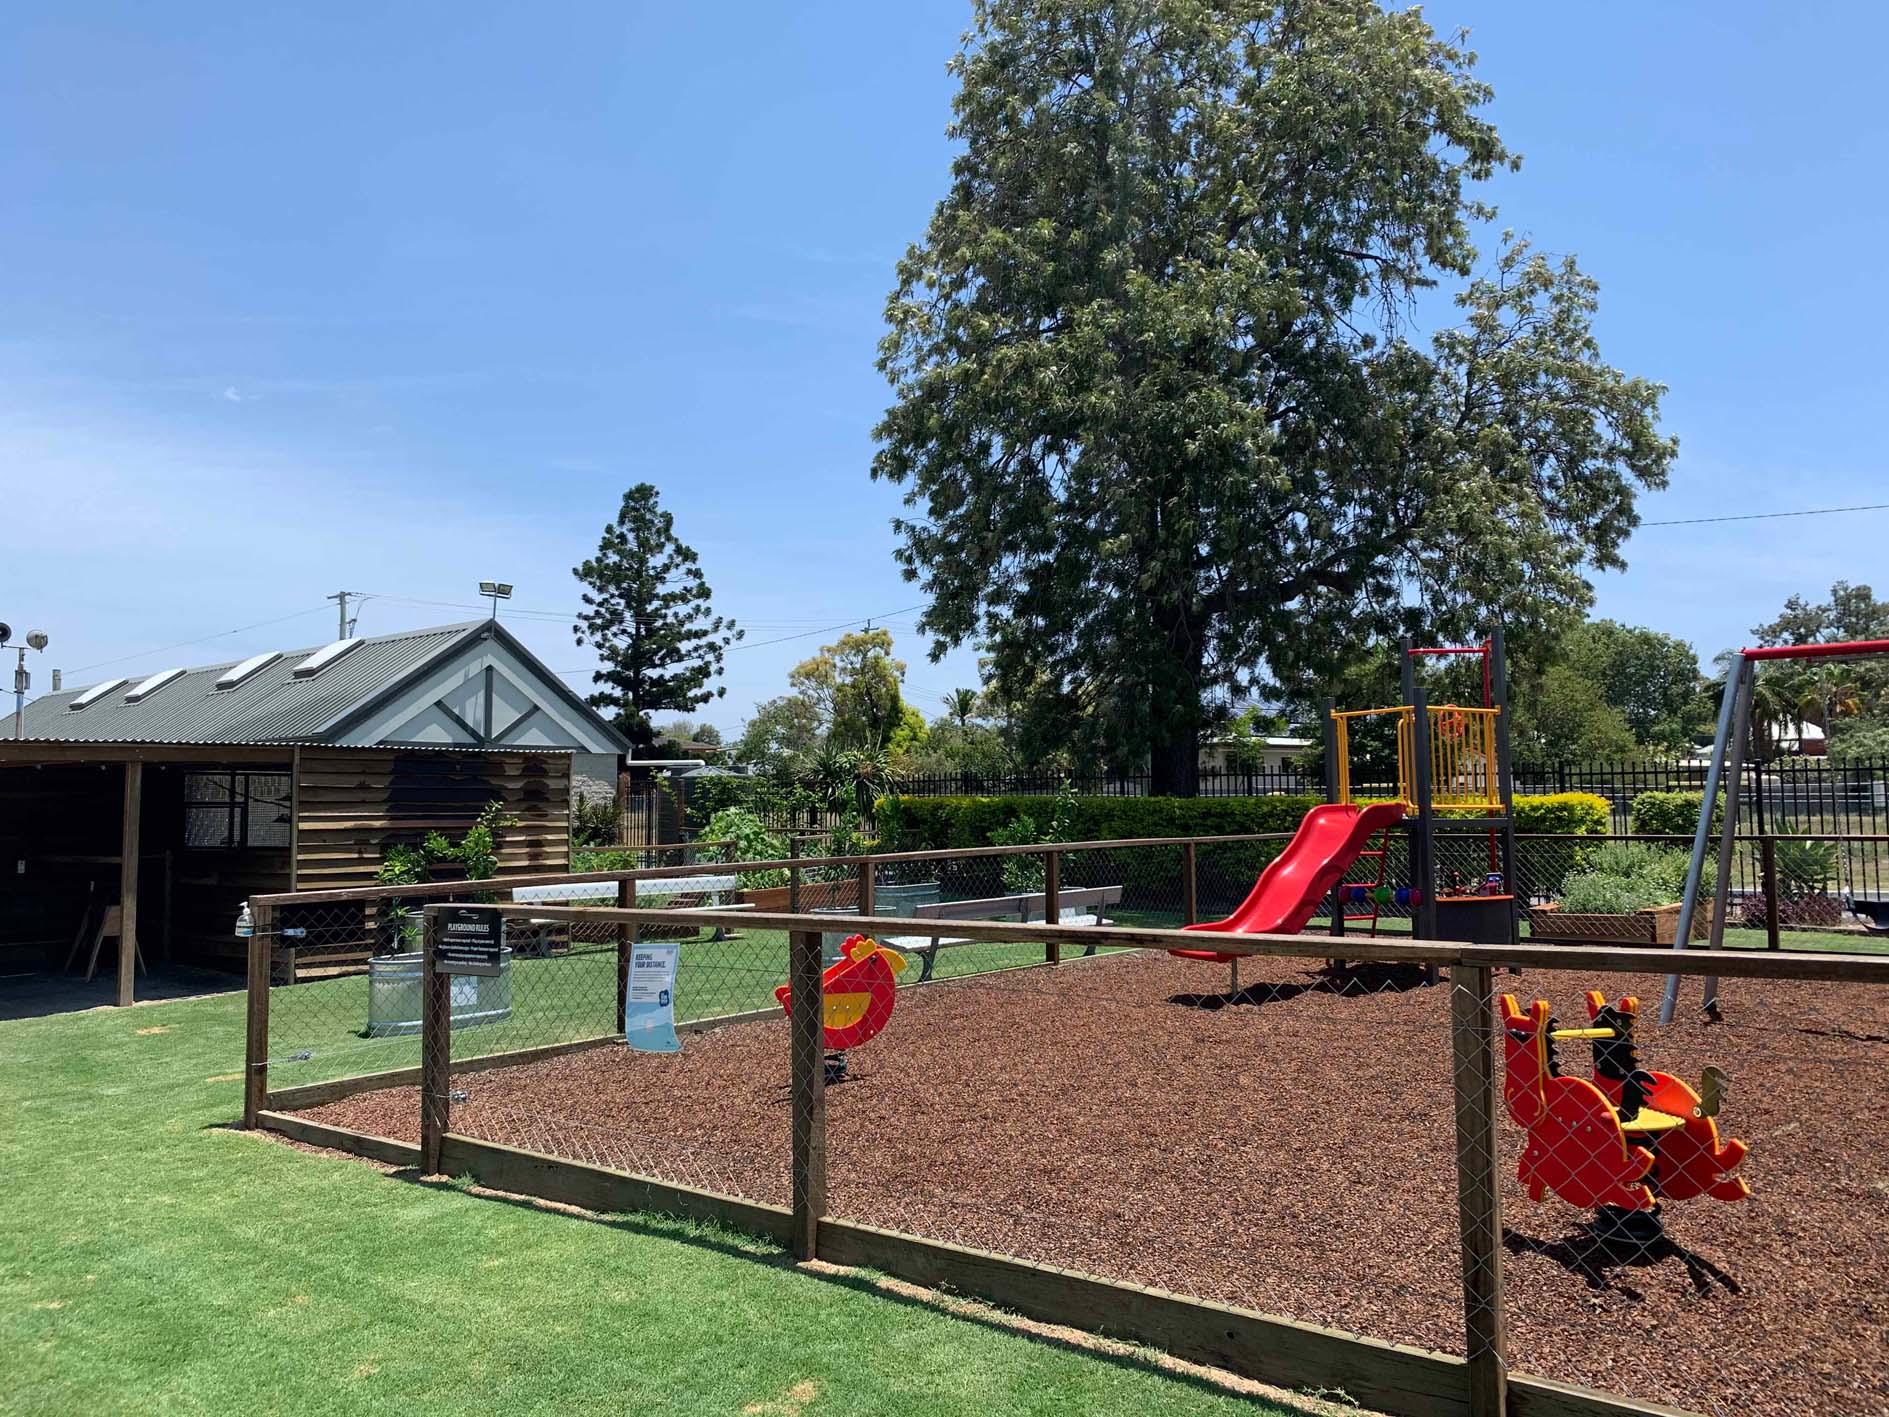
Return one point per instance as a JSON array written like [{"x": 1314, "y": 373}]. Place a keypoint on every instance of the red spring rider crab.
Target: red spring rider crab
[{"x": 1623, "y": 1142}]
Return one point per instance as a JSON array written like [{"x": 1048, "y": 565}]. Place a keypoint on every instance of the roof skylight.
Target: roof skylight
[
  {"x": 150, "y": 686},
  {"x": 324, "y": 657},
  {"x": 240, "y": 673},
  {"x": 94, "y": 694}
]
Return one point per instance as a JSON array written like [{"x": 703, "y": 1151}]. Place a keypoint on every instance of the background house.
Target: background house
[{"x": 173, "y": 796}]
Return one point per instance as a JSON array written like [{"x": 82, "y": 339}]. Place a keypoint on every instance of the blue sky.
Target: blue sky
[{"x": 396, "y": 298}]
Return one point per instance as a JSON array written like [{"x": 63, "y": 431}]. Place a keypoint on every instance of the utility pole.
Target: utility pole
[{"x": 346, "y": 631}]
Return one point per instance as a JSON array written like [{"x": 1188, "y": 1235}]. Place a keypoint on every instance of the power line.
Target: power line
[
  {"x": 762, "y": 644},
  {"x": 185, "y": 644},
  {"x": 1771, "y": 516}
]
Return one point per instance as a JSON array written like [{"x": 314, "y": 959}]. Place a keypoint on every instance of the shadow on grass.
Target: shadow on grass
[{"x": 964, "y": 1308}]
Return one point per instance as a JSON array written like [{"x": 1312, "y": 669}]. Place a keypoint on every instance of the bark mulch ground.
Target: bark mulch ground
[{"x": 1291, "y": 1152}]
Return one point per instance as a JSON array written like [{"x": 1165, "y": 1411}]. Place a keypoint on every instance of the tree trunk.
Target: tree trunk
[{"x": 1174, "y": 764}]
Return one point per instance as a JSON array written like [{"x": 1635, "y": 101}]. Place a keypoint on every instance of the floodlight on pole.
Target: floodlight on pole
[
  {"x": 495, "y": 591},
  {"x": 22, "y": 681}
]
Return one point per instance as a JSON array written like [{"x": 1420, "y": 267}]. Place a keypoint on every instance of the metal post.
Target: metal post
[
  {"x": 1423, "y": 834},
  {"x": 1728, "y": 712},
  {"x": 256, "y": 1032},
  {"x": 1337, "y": 926},
  {"x": 1505, "y": 781},
  {"x": 1190, "y": 879},
  {"x": 436, "y": 1050},
  {"x": 1767, "y": 856},
  {"x": 807, "y": 1073},
  {"x": 1053, "y": 902}
]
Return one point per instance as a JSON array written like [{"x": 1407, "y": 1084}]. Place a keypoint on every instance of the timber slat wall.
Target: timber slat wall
[{"x": 353, "y": 803}]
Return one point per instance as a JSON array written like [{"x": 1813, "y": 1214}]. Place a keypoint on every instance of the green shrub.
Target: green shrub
[
  {"x": 1804, "y": 868},
  {"x": 1596, "y": 894},
  {"x": 1581, "y": 813},
  {"x": 593, "y": 821},
  {"x": 1624, "y": 876},
  {"x": 1672, "y": 813},
  {"x": 753, "y": 842}
]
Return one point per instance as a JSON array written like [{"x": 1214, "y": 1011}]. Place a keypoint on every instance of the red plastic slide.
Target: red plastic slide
[{"x": 1290, "y": 889}]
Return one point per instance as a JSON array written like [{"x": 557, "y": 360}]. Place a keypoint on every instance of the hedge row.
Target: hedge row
[
  {"x": 952, "y": 823},
  {"x": 1672, "y": 813}
]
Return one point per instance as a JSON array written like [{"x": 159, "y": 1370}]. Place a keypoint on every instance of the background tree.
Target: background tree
[
  {"x": 961, "y": 706},
  {"x": 854, "y": 685},
  {"x": 780, "y": 729},
  {"x": 1563, "y": 717},
  {"x": 1156, "y": 407},
  {"x": 1652, "y": 679},
  {"x": 647, "y": 615}
]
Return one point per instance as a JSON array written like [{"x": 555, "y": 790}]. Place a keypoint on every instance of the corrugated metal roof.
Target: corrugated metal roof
[{"x": 272, "y": 706}]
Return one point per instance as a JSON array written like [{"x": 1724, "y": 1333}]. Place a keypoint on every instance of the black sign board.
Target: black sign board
[{"x": 468, "y": 940}]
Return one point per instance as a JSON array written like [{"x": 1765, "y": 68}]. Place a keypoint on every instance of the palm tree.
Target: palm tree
[
  {"x": 873, "y": 775},
  {"x": 961, "y": 706}
]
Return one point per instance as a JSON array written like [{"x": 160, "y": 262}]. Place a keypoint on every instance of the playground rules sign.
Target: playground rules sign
[
  {"x": 469, "y": 940},
  {"x": 649, "y": 995}
]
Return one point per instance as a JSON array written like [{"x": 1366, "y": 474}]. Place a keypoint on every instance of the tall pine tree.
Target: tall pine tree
[{"x": 647, "y": 615}]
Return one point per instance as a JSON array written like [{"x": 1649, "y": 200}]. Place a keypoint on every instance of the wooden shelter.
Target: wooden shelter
[{"x": 146, "y": 810}]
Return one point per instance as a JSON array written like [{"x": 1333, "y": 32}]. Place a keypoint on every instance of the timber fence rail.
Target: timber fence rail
[
  {"x": 330, "y": 969},
  {"x": 1061, "y": 1117}
]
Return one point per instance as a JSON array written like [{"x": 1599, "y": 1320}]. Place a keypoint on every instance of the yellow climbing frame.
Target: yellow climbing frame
[{"x": 1462, "y": 764}]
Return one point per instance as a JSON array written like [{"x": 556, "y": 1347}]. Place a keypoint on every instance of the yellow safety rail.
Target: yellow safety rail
[{"x": 1462, "y": 764}]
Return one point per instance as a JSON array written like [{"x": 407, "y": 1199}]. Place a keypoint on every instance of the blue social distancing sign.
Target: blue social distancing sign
[{"x": 649, "y": 1014}]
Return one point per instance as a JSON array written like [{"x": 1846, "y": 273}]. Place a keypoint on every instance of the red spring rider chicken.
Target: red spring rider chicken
[
  {"x": 1621, "y": 1142},
  {"x": 858, "y": 992}
]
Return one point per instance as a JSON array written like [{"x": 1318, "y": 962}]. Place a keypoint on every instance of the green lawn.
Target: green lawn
[
  {"x": 154, "y": 1260},
  {"x": 317, "y": 1029}
]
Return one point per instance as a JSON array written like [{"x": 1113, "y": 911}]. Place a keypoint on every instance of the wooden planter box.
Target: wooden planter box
[
  {"x": 1658, "y": 925},
  {"x": 814, "y": 895}
]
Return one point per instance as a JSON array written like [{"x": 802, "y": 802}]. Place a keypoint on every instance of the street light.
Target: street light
[{"x": 496, "y": 591}]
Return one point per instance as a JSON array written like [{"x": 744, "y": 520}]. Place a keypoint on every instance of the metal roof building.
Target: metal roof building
[{"x": 144, "y": 809}]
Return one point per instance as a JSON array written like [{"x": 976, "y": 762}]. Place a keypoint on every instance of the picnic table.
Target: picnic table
[{"x": 711, "y": 889}]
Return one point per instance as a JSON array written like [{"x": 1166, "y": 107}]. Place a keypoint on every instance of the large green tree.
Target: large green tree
[
  {"x": 647, "y": 613},
  {"x": 854, "y": 684},
  {"x": 1652, "y": 679},
  {"x": 1159, "y": 412}
]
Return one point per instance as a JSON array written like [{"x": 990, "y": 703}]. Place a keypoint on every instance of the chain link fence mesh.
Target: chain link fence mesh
[{"x": 1291, "y": 1145}]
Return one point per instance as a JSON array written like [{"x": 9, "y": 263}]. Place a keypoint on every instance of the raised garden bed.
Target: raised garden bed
[{"x": 1658, "y": 925}]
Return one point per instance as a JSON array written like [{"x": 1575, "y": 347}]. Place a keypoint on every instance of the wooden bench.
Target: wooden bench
[{"x": 1074, "y": 907}]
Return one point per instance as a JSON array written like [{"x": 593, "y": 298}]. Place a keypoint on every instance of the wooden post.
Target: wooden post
[
  {"x": 436, "y": 1050},
  {"x": 807, "y": 1072},
  {"x": 1053, "y": 901},
  {"x": 793, "y": 874},
  {"x": 1190, "y": 863},
  {"x": 256, "y": 1032},
  {"x": 1767, "y": 858},
  {"x": 626, "y": 941},
  {"x": 128, "y": 884},
  {"x": 866, "y": 877},
  {"x": 1479, "y": 1207}
]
